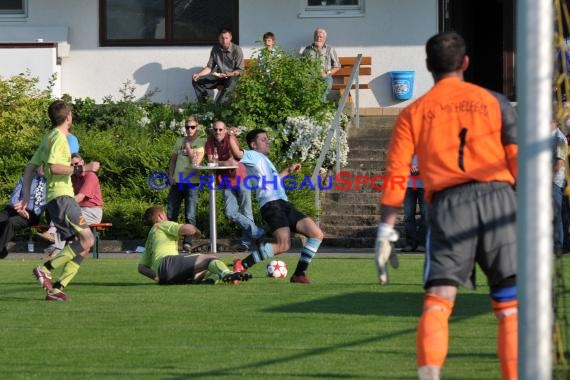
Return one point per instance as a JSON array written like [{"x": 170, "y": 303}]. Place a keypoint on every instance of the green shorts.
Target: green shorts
[{"x": 468, "y": 224}]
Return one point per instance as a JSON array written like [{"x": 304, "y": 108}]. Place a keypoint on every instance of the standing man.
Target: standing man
[
  {"x": 87, "y": 191},
  {"x": 326, "y": 54},
  {"x": 415, "y": 231},
  {"x": 237, "y": 199},
  {"x": 281, "y": 216},
  {"x": 465, "y": 140},
  {"x": 188, "y": 152},
  {"x": 53, "y": 153},
  {"x": 223, "y": 68}
]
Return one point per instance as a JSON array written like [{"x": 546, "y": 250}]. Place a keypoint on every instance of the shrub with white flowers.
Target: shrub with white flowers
[{"x": 306, "y": 137}]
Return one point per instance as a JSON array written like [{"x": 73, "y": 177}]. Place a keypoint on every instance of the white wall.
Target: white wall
[
  {"x": 41, "y": 62},
  {"x": 393, "y": 32}
]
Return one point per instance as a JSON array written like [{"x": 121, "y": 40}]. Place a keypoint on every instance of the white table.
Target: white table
[{"x": 213, "y": 232}]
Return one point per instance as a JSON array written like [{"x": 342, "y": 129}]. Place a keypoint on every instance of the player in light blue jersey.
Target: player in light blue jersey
[{"x": 281, "y": 216}]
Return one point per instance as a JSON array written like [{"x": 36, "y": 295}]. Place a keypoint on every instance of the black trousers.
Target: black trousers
[
  {"x": 10, "y": 222},
  {"x": 207, "y": 83}
]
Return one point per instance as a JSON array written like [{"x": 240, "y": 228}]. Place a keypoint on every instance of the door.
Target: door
[{"x": 488, "y": 27}]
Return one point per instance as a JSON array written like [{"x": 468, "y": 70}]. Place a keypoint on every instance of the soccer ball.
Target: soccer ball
[{"x": 277, "y": 269}]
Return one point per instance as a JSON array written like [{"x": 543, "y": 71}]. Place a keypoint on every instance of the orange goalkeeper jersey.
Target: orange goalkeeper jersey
[{"x": 460, "y": 132}]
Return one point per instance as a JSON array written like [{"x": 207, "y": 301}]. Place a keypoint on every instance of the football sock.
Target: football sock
[
  {"x": 218, "y": 268},
  {"x": 507, "y": 337},
  {"x": 432, "y": 338},
  {"x": 263, "y": 252},
  {"x": 69, "y": 271},
  {"x": 307, "y": 254},
  {"x": 63, "y": 257}
]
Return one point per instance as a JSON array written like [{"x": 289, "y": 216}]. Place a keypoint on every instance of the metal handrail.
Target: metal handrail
[{"x": 335, "y": 128}]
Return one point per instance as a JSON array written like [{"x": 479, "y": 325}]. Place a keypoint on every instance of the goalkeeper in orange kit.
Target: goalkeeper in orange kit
[{"x": 465, "y": 139}]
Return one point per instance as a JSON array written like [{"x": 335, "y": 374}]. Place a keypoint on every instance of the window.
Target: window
[
  {"x": 13, "y": 8},
  {"x": 332, "y": 8},
  {"x": 165, "y": 22}
]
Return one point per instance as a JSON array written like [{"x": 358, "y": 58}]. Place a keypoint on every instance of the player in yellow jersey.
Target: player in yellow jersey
[
  {"x": 54, "y": 155},
  {"x": 162, "y": 263}
]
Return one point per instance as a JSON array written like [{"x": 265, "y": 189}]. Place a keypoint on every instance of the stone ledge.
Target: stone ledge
[{"x": 118, "y": 246}]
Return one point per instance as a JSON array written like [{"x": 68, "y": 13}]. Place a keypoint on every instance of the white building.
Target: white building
[{"x": 96, "y": 46}]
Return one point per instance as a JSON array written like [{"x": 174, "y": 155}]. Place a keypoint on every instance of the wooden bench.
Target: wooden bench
[
  {"x": 341, "y": 76},
  {"x": 96, "y": 229}
]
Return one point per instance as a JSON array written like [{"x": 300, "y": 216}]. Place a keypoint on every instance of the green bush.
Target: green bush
[
  {"x": 23, "y": 122},
  {"x": 134, "y": 138},
  {"x": 284, "y": 85}
]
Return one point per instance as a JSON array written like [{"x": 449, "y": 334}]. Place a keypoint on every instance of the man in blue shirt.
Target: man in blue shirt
[
  {"x": 281, "y": 216},
  {"x": 12, "y": 220}
]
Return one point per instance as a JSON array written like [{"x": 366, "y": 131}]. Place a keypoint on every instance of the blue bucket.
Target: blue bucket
[{"x": 402, "y": 84}]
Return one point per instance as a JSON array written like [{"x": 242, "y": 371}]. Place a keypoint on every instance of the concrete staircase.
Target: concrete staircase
[{"x": 349, "y": 218}]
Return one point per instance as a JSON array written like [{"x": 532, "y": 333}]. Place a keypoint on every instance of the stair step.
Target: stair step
[
  {"x": 342, "y": 210},
  {"x": 349, "y": 242},
  {"x": 367, "y": 154},
  {"x": 356, "y": 231},
  {"x": 371, "y": 131},
  {"x": 350, "y": 198},
  {"x": 350, "y": 217},
  {"x": 380, "y": 142},
  {"x": 385, "y": 121},
  {"x": 349, "y": 220},
  {"x": 365, "y": 166},
  {"x": 349, "y": 231}
]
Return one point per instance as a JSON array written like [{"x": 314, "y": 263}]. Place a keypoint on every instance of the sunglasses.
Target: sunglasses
[
  {"x": 219, "y": 130},
  {"x": 191, "y": 126}
]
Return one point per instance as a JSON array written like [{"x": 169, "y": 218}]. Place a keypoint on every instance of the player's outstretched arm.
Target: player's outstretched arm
[{"x": 189, "y": 230}]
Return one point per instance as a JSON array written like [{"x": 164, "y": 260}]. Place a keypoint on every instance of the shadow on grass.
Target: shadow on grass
[
  {"x": 400, "y": 304},
  {"x": 359, "y": 303},
  {"x": 231, "y": 372},
  {"x": 113, "y": 284}
]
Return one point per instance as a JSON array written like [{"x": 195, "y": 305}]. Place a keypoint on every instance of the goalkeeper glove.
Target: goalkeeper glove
[{"x": 383, "y": 250}]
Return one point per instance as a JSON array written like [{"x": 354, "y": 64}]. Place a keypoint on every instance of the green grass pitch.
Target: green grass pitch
[{"x": 344, "y": 325}]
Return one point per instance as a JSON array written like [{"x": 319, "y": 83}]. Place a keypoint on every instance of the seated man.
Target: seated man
[
  {"x": 87, "y": 192},
  {"x": 326, "y": 54},
  {"x": 162, "y": 263},
  {"x": 223, "y": 68},
  {"x": 12, "y": 220}
]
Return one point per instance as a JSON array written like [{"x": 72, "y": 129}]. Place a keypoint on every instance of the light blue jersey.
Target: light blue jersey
[{"x": 269, "y": 187}]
